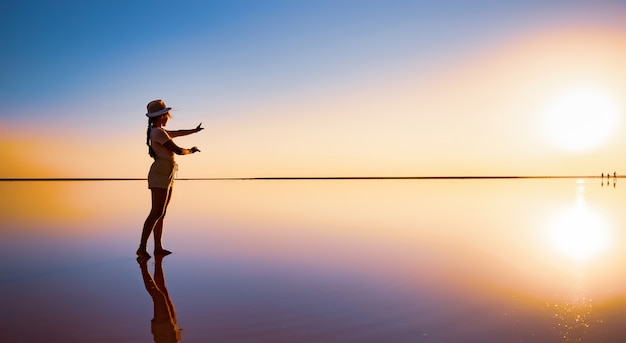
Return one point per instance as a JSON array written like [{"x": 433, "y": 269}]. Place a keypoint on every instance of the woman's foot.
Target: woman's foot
[
  {"x": 143, "y": 253},
  {"x": 162, "y": 252}
]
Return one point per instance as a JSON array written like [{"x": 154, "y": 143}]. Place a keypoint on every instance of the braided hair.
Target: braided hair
[{"x": 148, "y": 142}]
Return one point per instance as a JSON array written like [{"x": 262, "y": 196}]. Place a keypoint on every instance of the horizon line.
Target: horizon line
[{"x": 295, "y": 178}]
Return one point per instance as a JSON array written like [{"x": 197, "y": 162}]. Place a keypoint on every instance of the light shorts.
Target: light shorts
[{"x": 162, "y": 173}]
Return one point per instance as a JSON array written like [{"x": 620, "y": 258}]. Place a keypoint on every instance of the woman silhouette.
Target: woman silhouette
[{"x": 161, "y": 175}]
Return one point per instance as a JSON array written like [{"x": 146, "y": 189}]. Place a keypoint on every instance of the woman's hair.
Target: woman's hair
[{"x": 148, "y": 142}]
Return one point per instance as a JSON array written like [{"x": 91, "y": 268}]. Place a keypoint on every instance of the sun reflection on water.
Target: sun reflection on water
[
  {"x": 579, "y": 233},
  {"x": 575, "y": 318}
]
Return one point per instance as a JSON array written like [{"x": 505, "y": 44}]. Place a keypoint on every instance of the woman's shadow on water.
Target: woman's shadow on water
[{"x": 164, "y": 324}]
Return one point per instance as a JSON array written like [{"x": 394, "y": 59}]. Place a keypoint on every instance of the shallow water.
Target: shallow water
[{"x": 529, "y": 260}]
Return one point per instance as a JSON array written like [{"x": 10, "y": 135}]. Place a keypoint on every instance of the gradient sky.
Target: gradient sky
[{"x": 315, "y": 88}]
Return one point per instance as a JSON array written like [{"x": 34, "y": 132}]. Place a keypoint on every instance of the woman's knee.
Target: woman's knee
[{"x": 157, "y": 213}]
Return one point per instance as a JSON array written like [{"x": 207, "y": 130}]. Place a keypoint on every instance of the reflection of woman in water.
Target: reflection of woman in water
[
  {"x": 161, "y": 175},
  {"x": 164, "y": 326}
]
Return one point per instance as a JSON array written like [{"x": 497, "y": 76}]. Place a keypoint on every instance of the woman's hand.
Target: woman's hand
[
  {"x": 199, "y": 127},
  {"x": 194, "y": 149}
]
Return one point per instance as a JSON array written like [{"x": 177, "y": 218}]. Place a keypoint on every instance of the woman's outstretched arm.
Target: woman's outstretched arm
[{"x": 178, "y": 133}]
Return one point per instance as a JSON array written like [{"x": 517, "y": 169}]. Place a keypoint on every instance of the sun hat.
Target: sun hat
[{"x": 157, "y": 108}]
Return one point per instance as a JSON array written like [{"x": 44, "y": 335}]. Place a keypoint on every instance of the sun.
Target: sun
[{"x": 581, "y": 119}]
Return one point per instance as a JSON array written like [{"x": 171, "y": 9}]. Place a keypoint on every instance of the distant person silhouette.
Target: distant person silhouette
[
  {"x": 164, "y": 325},
  {"x": 162, "y": 172}
]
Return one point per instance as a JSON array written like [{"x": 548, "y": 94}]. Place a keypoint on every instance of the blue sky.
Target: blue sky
[
  {"x": 75, "y": 65},
  {"x": 61, "y": 50}
]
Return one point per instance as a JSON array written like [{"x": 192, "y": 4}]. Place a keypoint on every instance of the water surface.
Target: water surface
[{"x": 529, "y": 260}]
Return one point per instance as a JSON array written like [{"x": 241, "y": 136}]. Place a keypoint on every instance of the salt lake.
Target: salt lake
[{"x": 493, "y": 260}]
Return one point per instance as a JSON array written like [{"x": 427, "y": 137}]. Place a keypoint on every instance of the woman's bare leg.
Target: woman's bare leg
[
  {"x": 158, "y": 228},
  {"x": 159, "y": 204}
]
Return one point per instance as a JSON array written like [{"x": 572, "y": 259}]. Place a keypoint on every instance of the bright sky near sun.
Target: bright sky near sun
[{"x": 315, "y": 88}]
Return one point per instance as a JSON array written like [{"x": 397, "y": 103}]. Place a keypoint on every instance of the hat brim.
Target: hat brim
[{"x": 158, "y": 113}]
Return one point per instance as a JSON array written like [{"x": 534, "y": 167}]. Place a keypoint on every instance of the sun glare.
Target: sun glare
[
  {"x": 581, "y": 119},
  {"x": 579, "y": 233}
]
